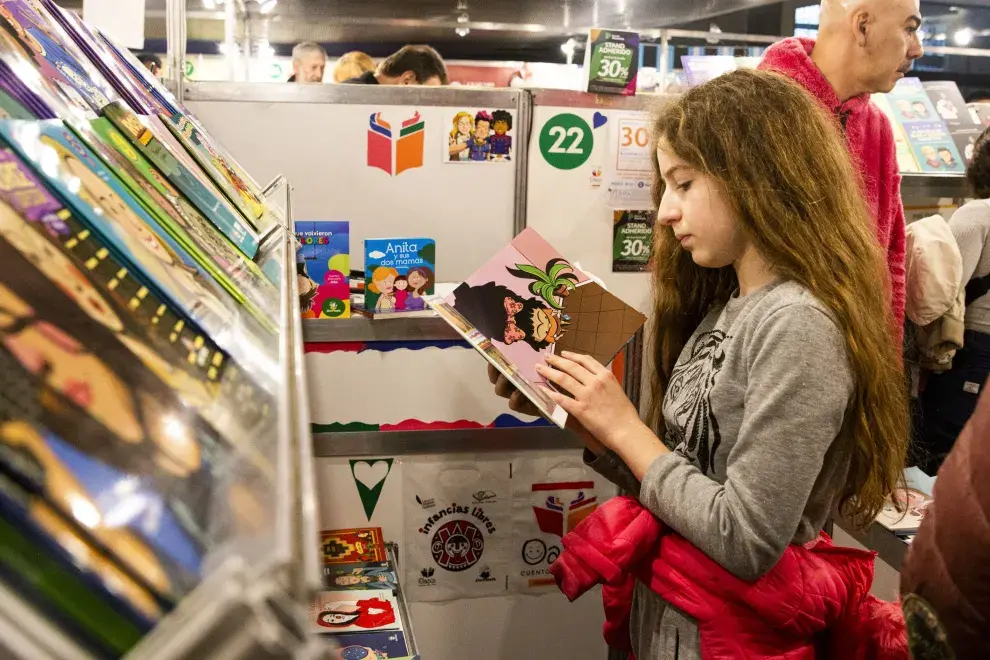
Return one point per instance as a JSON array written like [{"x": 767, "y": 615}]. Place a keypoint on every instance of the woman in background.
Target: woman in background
[{"x": 352, "y": 65}]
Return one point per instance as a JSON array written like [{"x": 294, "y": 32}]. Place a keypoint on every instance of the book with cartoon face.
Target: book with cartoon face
[
  {"x": 78, "y": 177},
  {"x": 926, "y": 131},
  {"x": 101, "y": 427},
  {"x": 528, "y": 302},
  {"x": 400, "y": 274},
  {"x": 356, "y": 577},
  {"x": 382, "y": 645},
  {"x": 62, "y": 246},
  {"x": 353, "y": 611}
]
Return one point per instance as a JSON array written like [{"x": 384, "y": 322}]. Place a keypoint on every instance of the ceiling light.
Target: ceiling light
[
  {"x": 463, "y": 18},
  {"x": 714, "y": 29},
  {"x": 210, "y": 4},
  {"x": 568, "y": 47},
  {"x": 963, "y": 37},
  {"x": 267, "y": 6},
  {"x": 462, "y": 31},
  {"x": 230, "y": 50}
]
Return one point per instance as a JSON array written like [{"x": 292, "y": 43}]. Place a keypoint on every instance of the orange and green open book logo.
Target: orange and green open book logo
[{"x": 396, "y": 154}]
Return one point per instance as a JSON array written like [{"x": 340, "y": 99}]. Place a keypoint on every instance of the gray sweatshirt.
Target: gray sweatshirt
[
  {"x": 971, "y": 227},
  {"x": 752, "y": 413}
]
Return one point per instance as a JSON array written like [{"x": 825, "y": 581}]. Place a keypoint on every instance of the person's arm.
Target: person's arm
[
  {"x": 799, "y": 384},
  {"x": 970, "y": 226},
  {"x": 609, "y": 465}
]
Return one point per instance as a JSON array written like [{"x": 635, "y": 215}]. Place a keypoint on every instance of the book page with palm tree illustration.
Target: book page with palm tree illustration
[{"x": 528, "y": 301}]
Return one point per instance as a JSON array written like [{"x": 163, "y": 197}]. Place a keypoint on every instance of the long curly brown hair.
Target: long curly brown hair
[{"x": 783, "y": 168}]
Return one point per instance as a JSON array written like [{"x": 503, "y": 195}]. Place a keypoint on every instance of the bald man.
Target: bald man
[{"x": 863, "y": 47}]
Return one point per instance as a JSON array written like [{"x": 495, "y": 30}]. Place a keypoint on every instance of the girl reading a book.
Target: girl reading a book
[
  {"x": 778, "y": 393},
  {"x": 383, "y": 283}
]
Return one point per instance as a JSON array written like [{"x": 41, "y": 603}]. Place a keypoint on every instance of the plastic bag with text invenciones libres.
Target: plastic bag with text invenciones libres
[
  {"x": 552, "y": 492},
  {"x": 457, "y": 526}
]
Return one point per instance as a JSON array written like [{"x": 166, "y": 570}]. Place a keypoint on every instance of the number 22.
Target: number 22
[{"x": 558, "y": 146}]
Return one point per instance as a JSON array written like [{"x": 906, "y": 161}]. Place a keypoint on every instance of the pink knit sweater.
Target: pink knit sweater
[{"x": 871, "y": 145}]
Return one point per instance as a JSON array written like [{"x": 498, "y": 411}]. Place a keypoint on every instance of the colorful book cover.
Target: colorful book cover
[
  {"x": 50, "y": 563},
  {"x": 351, "y": 546},
  {"x": 951, "y": 107},
  {"x": 528, "y": 302},
  {"x": 906, "y": 162},
  {"x": 33, "y": 33},
  {"x": 248, "y": 202},
  {"x": 323, "y": 267},
  {"x": 43, "y": 230},
  {"x": 70, "y": 369},
  {"x": 93, "y": 192},
  {"x": 240, "y": 276},
  {"x": 353, "y": 611},
  {"x": 387, "y": 645},
  {"x": 152, "y": 145},
  {"x": 354, "y": 577},
  {"x": 933, "y": 146},
  {"x": 399, "y": 274}
]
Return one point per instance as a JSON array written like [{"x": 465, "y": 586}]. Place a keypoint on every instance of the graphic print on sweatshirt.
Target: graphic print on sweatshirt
[{"x": 693, "y": 431}]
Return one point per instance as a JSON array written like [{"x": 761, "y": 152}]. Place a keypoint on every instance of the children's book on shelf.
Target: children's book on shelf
[
  {"x": 32, "y": 33},
  {"x": 384, "y": 645},
  {"x": 353, "y": 546},
  {"x": 399, "y": 274},
  {"x": 353, "y": 611},
  {"x": 356, "y": 577},
  {"x": 982, "y": 111},
  {"x": 528, "y": 302},
  {"x": 153, "y": 144},
  {"x": 933, "y": 146},
  {"x": 92, "y": 191},
  {"x": 51, "y": 235},
  {"x": 323, "y": 267},
  {"x": 906, "y": 162},
  {"x": 964, "y": 126}
]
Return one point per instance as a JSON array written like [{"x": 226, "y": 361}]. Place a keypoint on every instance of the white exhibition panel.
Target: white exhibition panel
[
  {"x": 388, "y": 387},
  {"x": 322, "y": 149},
  {"x": 571, "y": 208},
  {"x": 511, "y": 627}
]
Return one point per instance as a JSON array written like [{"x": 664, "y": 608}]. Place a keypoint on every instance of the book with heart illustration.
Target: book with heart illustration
[
  {"x": 353, "y": 611},
  {"x": 528, "y": 302}
]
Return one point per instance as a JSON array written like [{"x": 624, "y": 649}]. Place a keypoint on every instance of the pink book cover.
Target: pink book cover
[{"x": 529, "y": 301}]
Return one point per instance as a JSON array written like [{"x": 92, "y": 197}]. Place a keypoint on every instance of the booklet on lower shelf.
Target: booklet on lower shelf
[{"x": 528, "y": 302}]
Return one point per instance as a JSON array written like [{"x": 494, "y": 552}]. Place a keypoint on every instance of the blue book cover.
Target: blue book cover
[
  {"x": 399, "y": 274},
  {"x": 370, "y": 646},
  {"x": 323, "y": 267},
  {"x": 929, "y": 137}
]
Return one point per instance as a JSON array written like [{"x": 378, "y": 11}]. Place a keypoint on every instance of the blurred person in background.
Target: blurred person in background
[
  {"x": 308, "y": 62},
  {"x": 353, "y": 65},
  {"x": 950, "y": 398},
  {"x": 947, "y": 570},
  {"x": 152, "y": 62},
  {"x": 863, "y": 47},
  {"x": 411, "y": 65}
]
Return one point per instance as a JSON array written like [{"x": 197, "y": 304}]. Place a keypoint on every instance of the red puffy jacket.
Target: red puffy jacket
[{"x": 813, "y": 604}]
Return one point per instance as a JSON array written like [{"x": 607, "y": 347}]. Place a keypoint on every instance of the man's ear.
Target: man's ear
[
  {"x": 408, "y": 78},
  {"x": 861, "y": 25}
]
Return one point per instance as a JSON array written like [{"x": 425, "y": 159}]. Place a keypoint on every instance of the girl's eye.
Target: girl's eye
[{"x": 684, "y": 186}]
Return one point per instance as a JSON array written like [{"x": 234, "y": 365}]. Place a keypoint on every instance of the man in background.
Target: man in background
[
  {"x": 152, "y": 62},
  {"x": 411, "y": 65},
  {"x": 863, "y": 47},
  {"x": 308, "y": 62}
]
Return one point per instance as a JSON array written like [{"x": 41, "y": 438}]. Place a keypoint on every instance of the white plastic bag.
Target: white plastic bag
[
  {"x": 552, "y": 492},
  {"x": 457, "y": 510}
]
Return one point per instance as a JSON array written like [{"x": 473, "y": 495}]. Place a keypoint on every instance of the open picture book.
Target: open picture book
[{"x": 528, "y": 302}]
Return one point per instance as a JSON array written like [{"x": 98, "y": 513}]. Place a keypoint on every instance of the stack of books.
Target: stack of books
[{"x": 359, "y": 610}]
